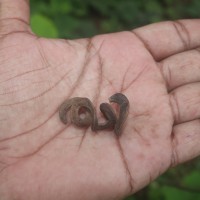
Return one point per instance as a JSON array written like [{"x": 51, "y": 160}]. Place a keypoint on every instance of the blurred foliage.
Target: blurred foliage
[{"x": 85, "y": 18}]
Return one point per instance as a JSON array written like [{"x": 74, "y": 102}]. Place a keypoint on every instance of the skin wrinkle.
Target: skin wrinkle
[
  {"x": 84, "y": 67},
  {"x": 145, "y": 44},
  {"x": 197, "y": 49},
  {"x": 69, "y": 138},
  {"x": 17, "y": 90},
  {"x": 4, "y": 48},
  {"x": 96, "y": 98},
  {"x": 30, "y": 130},
  {"x": 145, "y": 141},
  {"x": 100, "y": 61},
  {"x": 110, "y": 83},
  {"x": 160, "y": 69},
  {"x": 126, "y": 167},
  {"x": 144, "y": 114},
  {"x": 37, "y": 150},
  {"x": 6, "y": 166},
  {"x": 9, "y": 33},
  {"x": 167, "y": 77},
  {"x": 183, "y": 66},
  {"x": 15, "y": 32},
  {"x": 82, "y": 140},
  {"x": 89, "y": 44},
  {"x": 2, "y": 163},
  {"x": 176, "y": 115},
  {"x": 172, "y": 147},
  {"x": 100, "y": 74},
  {"x": 69, "y": 44},
  {"x": 25, "y": 73},
  {"x": 42, "y": 54},
  {"x": 5, "y": 60},
  {"x": 4, "y": 148},
  {"x": 76, "y": 83},
  {"x": 124, "y": 77},
  {"x": 40, "y": 95},
  {"x": 175, "y": 110},
  {"x": 41, "y": 146},
  {"x": 88, "y": 58},
  {"x": 33, "y": 152},
  {"x": 134, "y": 80},
  {"x": 174, "y": 154},
  {"x": 17, "y": 19},
  {"x": 181, "y": 29}
]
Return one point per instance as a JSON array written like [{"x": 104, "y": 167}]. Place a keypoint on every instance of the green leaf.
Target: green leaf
[
  {"x": 171, "y": 193},
  {"x": 155, "y": 192},
  {"x": 43, "y": 26},
  {"x": 192, "y": 180},
  {"x": 60, "y": 6},
  {"x": 130, "y": 198}
]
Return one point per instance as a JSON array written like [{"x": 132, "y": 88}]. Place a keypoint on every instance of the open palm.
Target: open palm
[{"x": 157, "y": 67}]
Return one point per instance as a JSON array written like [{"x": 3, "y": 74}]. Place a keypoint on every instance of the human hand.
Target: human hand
[{"x": 156, "y": 67}]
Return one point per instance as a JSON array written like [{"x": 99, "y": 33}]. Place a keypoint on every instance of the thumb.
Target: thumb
[{"x": 14, "y": 16}]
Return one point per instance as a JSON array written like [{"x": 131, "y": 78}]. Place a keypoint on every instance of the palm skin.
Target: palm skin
[{"x": 41, "y": 158}]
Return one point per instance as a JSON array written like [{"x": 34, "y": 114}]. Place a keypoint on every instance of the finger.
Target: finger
[
  {"x": 186, "y": 142},
  {"x": 168, "y": 38},
  {"x": 185, "y": 102},
  {"x": 14, "y": 15},
  {"x": 181, "y": 69}
]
